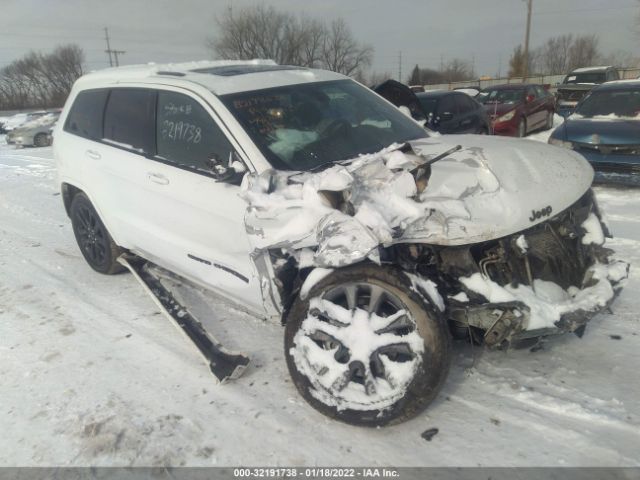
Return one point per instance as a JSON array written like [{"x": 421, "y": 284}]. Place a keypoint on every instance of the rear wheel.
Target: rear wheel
[
  {"x": 365, "y": 349},
  {"x": 40, "y": 140},
  {"x": 96, "y": 245}
]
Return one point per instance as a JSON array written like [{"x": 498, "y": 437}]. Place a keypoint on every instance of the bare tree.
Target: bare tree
[
  {"x": 553, "y": 56},
  {"x": 583, "y": 52},
  {"x": 264, "y": 32},
  {"x": 341, "y": 52},
  {"x": 516, "y": 62},
  {"x": 41, "y": 80},
  {"x": 458, "y": 70}
]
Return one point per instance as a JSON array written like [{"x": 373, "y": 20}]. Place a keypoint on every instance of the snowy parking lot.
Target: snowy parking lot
[{"x": 92, "y": 374}]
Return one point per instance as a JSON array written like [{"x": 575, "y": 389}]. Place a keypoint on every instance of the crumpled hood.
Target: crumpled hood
[
  {"x": 490, "y": 188},
  {"x": 504, "y": 185}
]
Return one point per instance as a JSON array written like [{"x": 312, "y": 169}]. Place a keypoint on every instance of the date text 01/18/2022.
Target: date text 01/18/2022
[{"x": 315, "y": 472}]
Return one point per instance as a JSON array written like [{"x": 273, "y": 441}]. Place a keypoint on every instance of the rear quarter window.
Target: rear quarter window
[{"x": 85, "y": 116}]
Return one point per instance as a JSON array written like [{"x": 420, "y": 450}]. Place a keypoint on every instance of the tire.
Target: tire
[
  {"x": 522, "y": 128},
  {"x": 364, "y": 387},
  {"x": 96, "y": 245},
  {"x": 40, "y": 140},
  {"x": 549, "y": 124}
]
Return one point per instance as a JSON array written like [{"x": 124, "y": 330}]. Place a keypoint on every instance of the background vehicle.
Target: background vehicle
[
  {"x": 605, "y": 129},
  {"x": 516, "y": 110},
  {"x": 34, "y": 133},
  {"x": 454, "y": 112},
  {"x": 19, "y": 119},
  {"x": 472, "y": 91},
  {"x": 310, "y": 200},
  {"x": 578, "y": 83},
  {"x": 441, "y": 110}
]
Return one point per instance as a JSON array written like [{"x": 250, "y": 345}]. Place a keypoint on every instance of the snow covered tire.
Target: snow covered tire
[
  {"x": 420, "y": 352},
  {"x": 95, "y": 242}
]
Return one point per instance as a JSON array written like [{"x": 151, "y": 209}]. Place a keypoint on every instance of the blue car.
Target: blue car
[{"x": 605, "y": 129}]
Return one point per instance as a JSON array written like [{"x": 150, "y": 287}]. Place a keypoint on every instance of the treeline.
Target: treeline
[
  {"x": 40, "y": 80},
  {"x": 265, "y": 32},
  {"x": 455, "y": 70},
  {"x": 563, "y": 53}
]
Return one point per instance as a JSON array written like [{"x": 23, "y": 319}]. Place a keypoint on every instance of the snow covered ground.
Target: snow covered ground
[{"x": 92, "y": 374}]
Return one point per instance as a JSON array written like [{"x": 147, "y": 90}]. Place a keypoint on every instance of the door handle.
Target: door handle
[
  {"x": 93, "y": 154},
  {"x": 158, "y": 178}
]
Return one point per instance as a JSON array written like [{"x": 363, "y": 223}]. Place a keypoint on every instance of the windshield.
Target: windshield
[
  {"x": 586, "y": 78},
  {"x": 301, "y": 127},
  {"x": 501, "y": 96},
  {"x": 611, "y": 104}
]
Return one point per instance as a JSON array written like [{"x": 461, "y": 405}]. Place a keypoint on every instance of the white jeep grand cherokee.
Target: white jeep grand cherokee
[{"x": 302, "y": 196}]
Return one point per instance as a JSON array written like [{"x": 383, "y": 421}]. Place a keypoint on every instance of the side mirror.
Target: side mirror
[
  {"x": 530, "y": 98},
  {"x": 226, "y": 171},
  {"x": 446, "y": 116}
]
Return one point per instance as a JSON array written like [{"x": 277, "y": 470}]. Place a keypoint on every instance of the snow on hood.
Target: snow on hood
[{"x": 489, "y": 188}]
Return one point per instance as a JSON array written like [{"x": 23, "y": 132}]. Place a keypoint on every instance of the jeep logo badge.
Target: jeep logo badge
[{"x": 536, "y": 214}]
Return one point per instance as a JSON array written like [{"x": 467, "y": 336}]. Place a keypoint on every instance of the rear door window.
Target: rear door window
[
  {"x": 85, "y": 116},
  {"x": 447, "y": 105},
  {"x": 465, "y": 103},
  {"x": 187, "y": 135},
  {"x": 129, "y": 119}
]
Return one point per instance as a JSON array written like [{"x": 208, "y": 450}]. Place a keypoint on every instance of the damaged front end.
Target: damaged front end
[
  {"x": 504, "y": 272},
  {"x": 552, "y": 278}
]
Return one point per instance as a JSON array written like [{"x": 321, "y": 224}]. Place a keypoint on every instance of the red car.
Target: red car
[{"x": 518, "y": 109}]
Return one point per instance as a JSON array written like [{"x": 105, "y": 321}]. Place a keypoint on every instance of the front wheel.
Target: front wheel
[
  {"x": 366, "y": 349},
  {"x": 522, "y": 128},
  {"x": 96, "y": 245}
]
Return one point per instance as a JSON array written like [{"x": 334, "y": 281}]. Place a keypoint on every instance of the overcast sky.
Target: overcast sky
[{"x": 482, "y": 31}]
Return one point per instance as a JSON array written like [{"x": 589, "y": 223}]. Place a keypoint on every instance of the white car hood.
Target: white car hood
[
  {"x": 490, "y": 188},
  {"x": 498, "y": 186}
]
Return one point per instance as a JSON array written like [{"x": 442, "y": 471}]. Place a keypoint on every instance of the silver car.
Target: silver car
[{"x": 34, "y": 133}]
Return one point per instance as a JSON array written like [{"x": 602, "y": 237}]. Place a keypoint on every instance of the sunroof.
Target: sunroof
[{"x": 232, "y": 70}]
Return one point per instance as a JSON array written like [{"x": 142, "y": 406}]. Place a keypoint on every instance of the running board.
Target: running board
[{"x": 223, "y": 364}]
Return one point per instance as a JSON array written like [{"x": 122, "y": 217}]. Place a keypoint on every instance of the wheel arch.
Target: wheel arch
[{"x": 68, "y": 191}]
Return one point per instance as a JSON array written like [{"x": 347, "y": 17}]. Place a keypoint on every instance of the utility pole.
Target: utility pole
[
  {"x": 400, "y": 66},
  {"x": 115, "y": 54},
  {"x": 526, "y": 42},
  {"x": 109, "y": 51}
]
